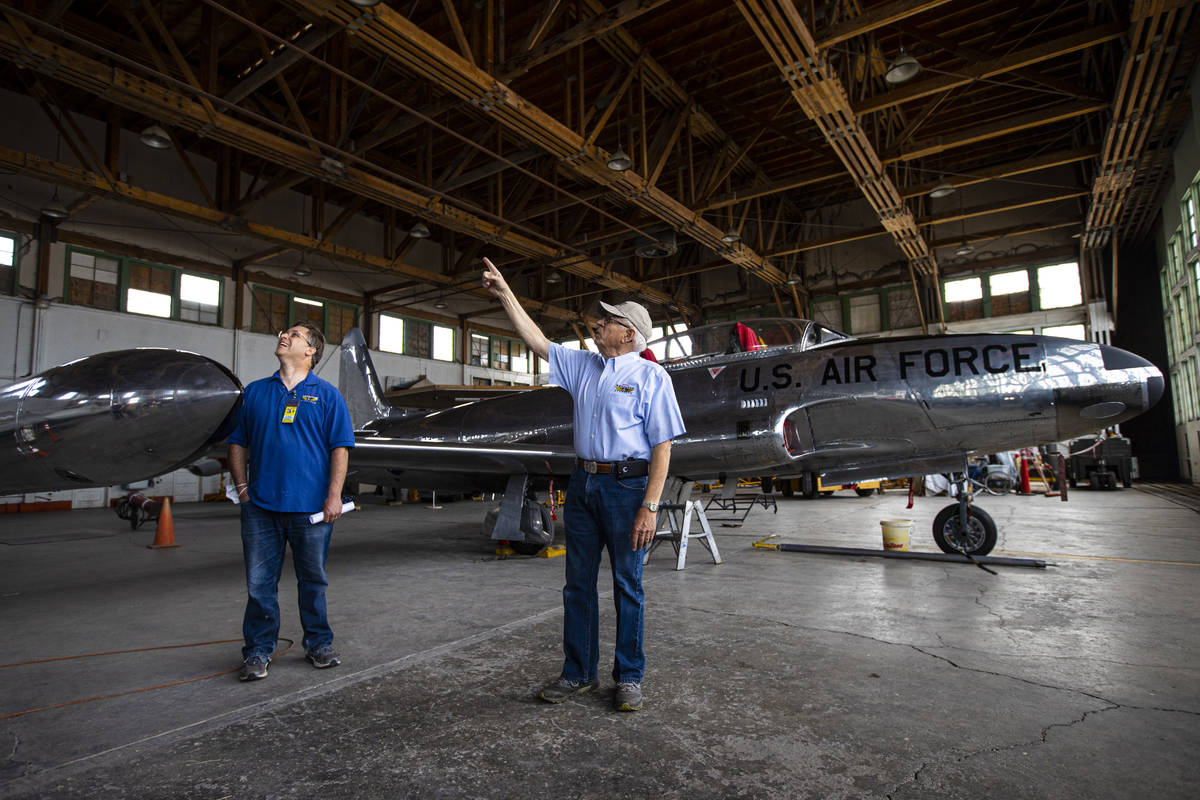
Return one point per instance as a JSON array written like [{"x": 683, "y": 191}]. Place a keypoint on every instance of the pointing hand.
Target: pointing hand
[{"x": 493, "y": 281}]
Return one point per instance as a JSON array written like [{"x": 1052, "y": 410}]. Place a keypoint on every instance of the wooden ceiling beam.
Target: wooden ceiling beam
[
  {"x": 878, "y": 17},
  {"x": 983, "y": 70},
  {"x": 584, "y": 31},
  {"x": 388, "y": 32},
  {"x": 87, "y": 181}
]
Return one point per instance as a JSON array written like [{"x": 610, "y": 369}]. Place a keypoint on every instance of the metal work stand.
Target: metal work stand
[{"x": 679, "y": 518}]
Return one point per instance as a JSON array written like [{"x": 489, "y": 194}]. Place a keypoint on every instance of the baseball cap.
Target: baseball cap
[{"x": 633, "y": 312}]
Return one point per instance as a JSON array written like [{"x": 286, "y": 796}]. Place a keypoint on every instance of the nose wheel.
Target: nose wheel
[{"x": 963, "y": 528}]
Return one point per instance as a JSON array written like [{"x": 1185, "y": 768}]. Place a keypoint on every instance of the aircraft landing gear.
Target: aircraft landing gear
[{"x": 963, "y": 528}]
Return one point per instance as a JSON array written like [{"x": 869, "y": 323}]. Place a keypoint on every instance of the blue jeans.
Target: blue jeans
[
  {"x": 599, "y": 514},
  {"x": 265, "y": 534}
]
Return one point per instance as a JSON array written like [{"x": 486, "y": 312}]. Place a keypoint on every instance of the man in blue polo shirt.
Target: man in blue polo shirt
[
  {"x": 626, "y": 415},
  {"x": 294, "y": 434}
]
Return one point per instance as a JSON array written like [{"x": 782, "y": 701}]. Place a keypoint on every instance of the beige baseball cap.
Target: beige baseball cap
[{"x": 633, "y": 312}]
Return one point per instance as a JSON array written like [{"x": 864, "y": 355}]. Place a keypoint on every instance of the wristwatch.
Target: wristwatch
[{"x": 651, "y": 506}]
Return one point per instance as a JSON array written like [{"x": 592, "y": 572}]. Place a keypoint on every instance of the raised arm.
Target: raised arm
[{"x": 527, "y": 329}]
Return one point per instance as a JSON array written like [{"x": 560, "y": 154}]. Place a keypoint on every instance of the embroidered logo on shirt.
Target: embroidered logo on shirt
[
  {"x": 624, "y": 389},
  {"x": 309, "y": 398}
]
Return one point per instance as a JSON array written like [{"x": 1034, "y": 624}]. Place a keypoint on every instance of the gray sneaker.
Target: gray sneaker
[
  {"x": 323, "y": 657},
  {"x": 254, "y": 668},
  {"x": 559, "y": 690},
  {"x": 628, "y": 697}
]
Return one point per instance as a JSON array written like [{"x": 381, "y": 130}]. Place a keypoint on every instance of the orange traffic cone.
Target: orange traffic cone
[
  {"x": 164, "y": 532},
  {"x": 1025, "y": 488}
]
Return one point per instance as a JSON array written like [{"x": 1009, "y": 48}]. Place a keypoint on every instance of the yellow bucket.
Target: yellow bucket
[{"x": 896, "y": 533}]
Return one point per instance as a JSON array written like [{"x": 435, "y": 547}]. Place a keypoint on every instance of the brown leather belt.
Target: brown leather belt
[{"x": 633, "y": 468}]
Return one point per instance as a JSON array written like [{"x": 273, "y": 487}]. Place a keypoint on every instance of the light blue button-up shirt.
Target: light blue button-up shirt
[{"x": 624, "y": 406}]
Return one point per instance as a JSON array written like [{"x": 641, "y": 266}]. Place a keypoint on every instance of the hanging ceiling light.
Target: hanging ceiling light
[
  {"x": 793, "y": 278},
  {"x": 731, "y": 236},
  {"x": 553, "y": 277},
  {"x": 964, "y": 249},
  {"x": 156, "y": 137},
  {"x": 55, "y": 209},
  {"x": 619, "y": 161},
  {"x": 301, "y": 270},
  {"x": 440, "y": 303},
  {"x": 944, "y": 188},
  {"x": 365, "y": 3},
  {"x": 903, "y": 68},
  {"x": 419, "y": 231}
]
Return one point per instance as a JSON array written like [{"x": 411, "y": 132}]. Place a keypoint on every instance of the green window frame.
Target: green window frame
[
  {"x": 10, "y": 262},
  {"x": 273, "y": 310},
  {"x": 109, "y": 282}
]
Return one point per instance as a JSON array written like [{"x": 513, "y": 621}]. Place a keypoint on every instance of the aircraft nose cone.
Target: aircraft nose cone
[{"x": 1126, "y": 386}]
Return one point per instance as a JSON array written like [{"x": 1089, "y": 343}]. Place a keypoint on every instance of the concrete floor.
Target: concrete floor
[{"x": 772, "y": 675}]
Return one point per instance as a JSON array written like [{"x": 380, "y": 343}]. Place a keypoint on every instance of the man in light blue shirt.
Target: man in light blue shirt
[{"x": 626, "y": 415}]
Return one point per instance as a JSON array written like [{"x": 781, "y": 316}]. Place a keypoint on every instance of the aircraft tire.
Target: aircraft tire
[
  {"x": 785, "y": 488},
  {"x": 808, "y": 485},
  {"x": 864, "y": 492},
  {"x": 979, "y": 539}
]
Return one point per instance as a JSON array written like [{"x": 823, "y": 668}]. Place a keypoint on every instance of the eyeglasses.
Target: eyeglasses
[
  {"x": 609, "y": 318},
  {"x": 292, "y": 334}
]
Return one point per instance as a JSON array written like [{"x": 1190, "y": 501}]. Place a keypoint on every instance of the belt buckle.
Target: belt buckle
[{"x": 590, "y": 467}]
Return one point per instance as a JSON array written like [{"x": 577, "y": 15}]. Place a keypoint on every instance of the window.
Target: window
[
  {"x": 1066, "y": 331},
  {"x": 269, "y": 310},
  {"x": 1191, "y": 236},
  {"x": 391, "y": 333},
  {"x": 150, "y": 290},
  {"x": 1009, "y": 292},
  {"x": 1058, "y": 286},
  {"x": 864, "y": 314},
  {"x": 273, "y": 310},
  {"x": 964, "y": 299},
  {"x": 480, "y": 357},
  {"x": 92, "y": 279},
  {"x": 443, "y": 343},
  {"x": 8, "y": 263},
  {"x": 199, "y": 299},
  {"x": 828, "y": 313},
  {"x": 416, "y": 338},
  {"x": 902, "y": 309},
  {"x": 339, "y": 319}
]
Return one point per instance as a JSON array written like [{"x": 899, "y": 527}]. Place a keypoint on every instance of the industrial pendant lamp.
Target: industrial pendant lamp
[
  {"x": 55, "y": 209},
  {"x": 944, "y": 188},
  {"x": 964, "y": 249},
  {"x": 302, "y": 270},
  {"x": 619, "y": 161},
  {"x": 156, "y": 137},
  {"x": 731, "y": 236},
  {"x": 553, "y": 277},
  {"x": 419, "y": 231},
  {"x": 440, "y": 303},
  {"x": 903, "y": 68},
  {"x": 365, "y": 3}
]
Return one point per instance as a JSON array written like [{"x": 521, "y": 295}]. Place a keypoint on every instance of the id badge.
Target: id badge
[{"x": 289, "y": 413}]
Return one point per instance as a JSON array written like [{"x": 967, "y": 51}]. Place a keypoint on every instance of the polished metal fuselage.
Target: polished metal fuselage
[{"x": 851, "y": 409}]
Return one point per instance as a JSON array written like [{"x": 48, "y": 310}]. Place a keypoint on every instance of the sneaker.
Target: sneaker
[
  {"x": 560, "y": 689},
  {"x": 628, "y": 697},
  {"x": 323, "y": 657},
  {"x": 254, "y": 668}
]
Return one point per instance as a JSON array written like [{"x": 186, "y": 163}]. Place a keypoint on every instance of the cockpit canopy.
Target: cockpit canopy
[{"x": 742, "y": 336}]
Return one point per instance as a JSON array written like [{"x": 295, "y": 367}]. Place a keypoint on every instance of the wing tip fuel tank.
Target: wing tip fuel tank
[{"x": 113, "y": 418}]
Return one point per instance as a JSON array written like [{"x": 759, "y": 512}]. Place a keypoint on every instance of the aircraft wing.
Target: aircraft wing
[{"x": 462, "y": 457}]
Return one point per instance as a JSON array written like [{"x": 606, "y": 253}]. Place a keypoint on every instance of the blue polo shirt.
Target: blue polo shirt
[
  {"x": 289, "y": 461},
  {"x": 624, "y": 406}
]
